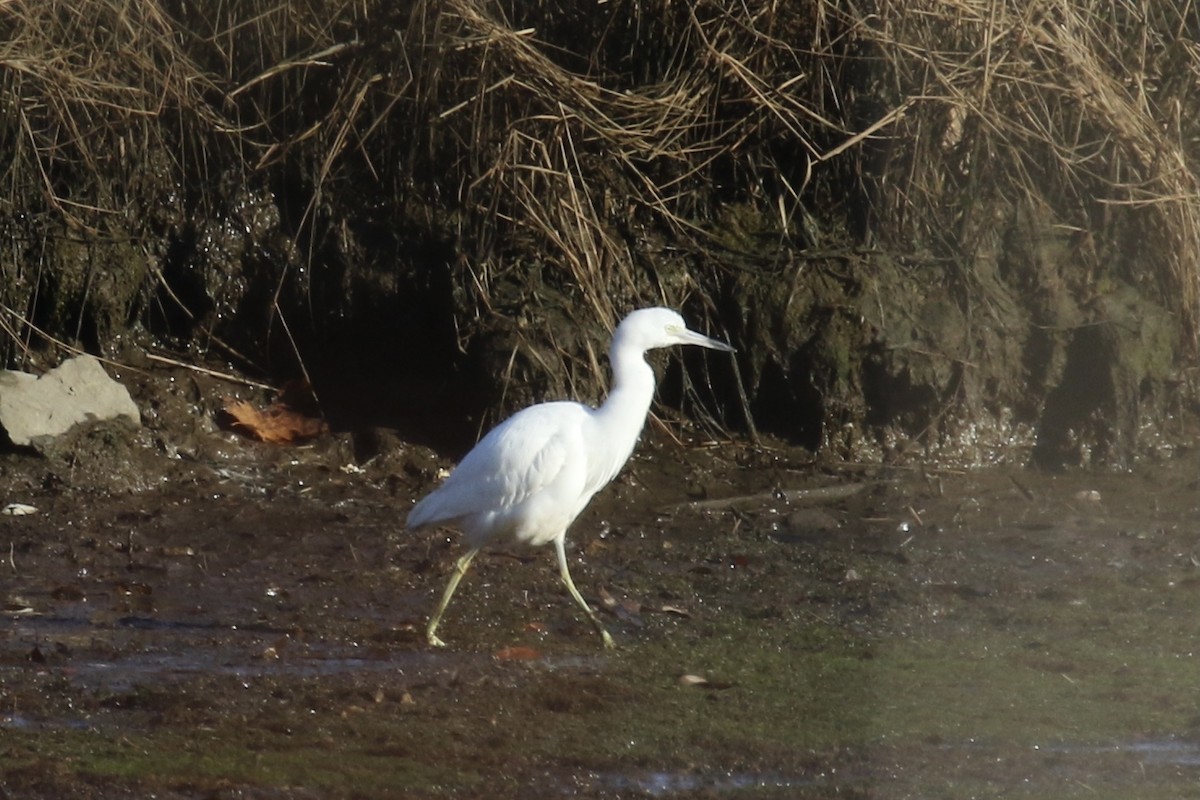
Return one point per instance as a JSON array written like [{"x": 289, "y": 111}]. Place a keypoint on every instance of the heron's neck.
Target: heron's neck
[{"x": 631, "y": 394}]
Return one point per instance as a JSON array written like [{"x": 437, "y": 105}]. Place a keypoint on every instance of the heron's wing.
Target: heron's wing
[{"x": 516, "y": 460}]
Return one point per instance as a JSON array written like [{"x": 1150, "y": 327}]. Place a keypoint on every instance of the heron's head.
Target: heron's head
[{"x": 650, "y": 328}]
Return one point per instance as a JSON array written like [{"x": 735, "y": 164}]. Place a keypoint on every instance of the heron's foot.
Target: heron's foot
[
  {"x": 608, "y": 640},
  {"x": 434, "y": 641}
]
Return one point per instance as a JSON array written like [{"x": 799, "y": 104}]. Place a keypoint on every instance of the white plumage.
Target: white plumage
[{"x": 532, "y": 475}]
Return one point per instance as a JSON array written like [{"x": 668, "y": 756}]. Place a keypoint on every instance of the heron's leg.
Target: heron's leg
[
  {"x": 460, "y": 569},
  {"x": 565, "y": 574}
]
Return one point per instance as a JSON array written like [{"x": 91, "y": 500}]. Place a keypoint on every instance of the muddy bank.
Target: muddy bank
[
  {"x": 248, "y": 623},
  {"x": 435, "y": 230}
]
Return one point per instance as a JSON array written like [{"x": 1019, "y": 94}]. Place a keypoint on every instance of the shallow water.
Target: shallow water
[{"x": 921, "y": 634}]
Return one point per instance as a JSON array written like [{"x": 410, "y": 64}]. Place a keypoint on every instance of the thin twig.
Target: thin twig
[
  {"x": 787, "y": 497},
  {"x": 225, "y": 376}
]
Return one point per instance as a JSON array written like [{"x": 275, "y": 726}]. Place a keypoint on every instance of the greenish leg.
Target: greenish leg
[
  {"x": 565, "y": 574},
  {"x": 460, "y": 569}
]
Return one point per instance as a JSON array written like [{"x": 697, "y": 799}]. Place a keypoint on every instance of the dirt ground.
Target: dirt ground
[{"x": 192, "y": 615}]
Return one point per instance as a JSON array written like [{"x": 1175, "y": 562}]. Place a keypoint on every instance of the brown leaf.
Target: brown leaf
[
  {"x": 277, "y": 423},
  {"x": 517, "y": 653}
]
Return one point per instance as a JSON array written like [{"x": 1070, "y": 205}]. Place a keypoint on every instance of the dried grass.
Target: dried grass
[
  {"x": 579, "y": 156},
  {"x": 88, "y": 90},
  {"x": 1085, "y": 109},
  {"x": 85, "y": 86},
  {"x": 580, "y": 159}
]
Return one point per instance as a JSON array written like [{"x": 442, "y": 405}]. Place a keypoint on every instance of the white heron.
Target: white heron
[{"x": 531, "y": 476}]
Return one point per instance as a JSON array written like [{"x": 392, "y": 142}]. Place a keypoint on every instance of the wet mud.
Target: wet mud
[{"x": 249, "y": 624}]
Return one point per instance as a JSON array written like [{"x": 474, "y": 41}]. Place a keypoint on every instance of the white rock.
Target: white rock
[{"x": 75, "y": 391}]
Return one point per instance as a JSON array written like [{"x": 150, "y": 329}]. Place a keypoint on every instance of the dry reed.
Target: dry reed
[{"x": 578, "y": 159}]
